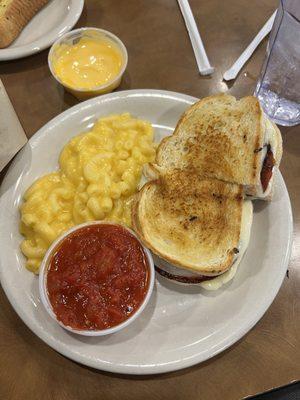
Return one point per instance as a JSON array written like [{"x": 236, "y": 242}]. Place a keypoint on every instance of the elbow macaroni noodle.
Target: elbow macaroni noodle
[{"x": 99, "y": 172}]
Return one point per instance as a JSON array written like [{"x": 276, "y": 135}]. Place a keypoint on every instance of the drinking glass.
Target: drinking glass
[{"x": 278, "y": 88}]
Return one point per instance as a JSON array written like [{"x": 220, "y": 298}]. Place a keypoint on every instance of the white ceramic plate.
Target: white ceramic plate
[
  {"x": 181, "y": 326},
  {"x": 55, "y": 19}
]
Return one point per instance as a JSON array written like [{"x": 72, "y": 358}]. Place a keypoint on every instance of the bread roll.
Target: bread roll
[{"x": 14, "y": 16}]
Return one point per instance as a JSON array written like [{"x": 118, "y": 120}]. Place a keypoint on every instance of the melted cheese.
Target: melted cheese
[
  {"x": 246, "y": 223},
  {"x": 270, "y": 135}
]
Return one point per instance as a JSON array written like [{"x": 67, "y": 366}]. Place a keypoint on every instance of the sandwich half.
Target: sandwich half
[
  {"x": 194, "y": 226},
  {"x": 222, "y": 138}
]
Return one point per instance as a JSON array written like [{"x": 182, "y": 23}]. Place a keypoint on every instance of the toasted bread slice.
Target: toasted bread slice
[
  {"x": 14, "y": 15},
  {"x": 189, "y": 222},
  {"x": 185, "y": 277},
  {"x": 222, "y": 138}
]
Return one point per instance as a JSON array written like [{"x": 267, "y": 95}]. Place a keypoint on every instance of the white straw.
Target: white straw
[
  {"x": 201, "y": 57},
  {"x": 232, "y": 72}
]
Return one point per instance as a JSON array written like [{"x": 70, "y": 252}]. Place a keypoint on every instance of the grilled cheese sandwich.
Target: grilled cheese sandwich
[{"x": 195, "y": 211}]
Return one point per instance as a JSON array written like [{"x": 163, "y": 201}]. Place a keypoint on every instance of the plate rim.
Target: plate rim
[
  {"x": 15, "y": 53},
  {"x": 162, "y": 367}
]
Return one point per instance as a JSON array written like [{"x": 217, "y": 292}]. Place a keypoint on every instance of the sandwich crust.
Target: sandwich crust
[{"x": 278, "y": 154}]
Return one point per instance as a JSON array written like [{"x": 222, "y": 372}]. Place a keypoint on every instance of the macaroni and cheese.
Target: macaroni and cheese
[{"x": 99, "y": 172}]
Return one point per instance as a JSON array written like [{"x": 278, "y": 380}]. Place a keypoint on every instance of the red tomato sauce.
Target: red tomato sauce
[
  {"x": 97, "y": 277},
  {"x": 267, "y": 168}
]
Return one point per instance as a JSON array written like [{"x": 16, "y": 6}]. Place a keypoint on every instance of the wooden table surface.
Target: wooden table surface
[{"x": 160, "y": 56}]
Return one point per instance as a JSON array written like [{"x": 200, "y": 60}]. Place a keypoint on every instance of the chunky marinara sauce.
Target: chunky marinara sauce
[{"x": 97, "y": 277}]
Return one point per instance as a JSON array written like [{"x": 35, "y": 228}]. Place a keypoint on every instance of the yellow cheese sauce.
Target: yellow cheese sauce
[{"x": 89, "y": 63}]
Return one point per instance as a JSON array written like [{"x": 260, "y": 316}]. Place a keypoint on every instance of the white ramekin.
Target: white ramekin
[{"x": 43, "y": 283}]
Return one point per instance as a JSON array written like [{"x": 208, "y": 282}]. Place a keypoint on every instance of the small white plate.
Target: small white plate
[
  {"x": 181, "y": 326},
  {"x": 52, "y": 21}
]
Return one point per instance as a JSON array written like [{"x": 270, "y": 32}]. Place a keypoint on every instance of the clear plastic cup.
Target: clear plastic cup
[{"x": 278, "y": 88}]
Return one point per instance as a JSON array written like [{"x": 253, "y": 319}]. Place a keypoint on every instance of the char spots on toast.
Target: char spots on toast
[
  {"x": 187, "y": 222},
  {"x": 235, "y": 250},
  {"x": 259, "y": 149},
  {"x": 239, "y": 197},
  {"x": 185, "y": 225},
  {"x": 255, "y": 159},
  {"x": 218, "y": 197}
]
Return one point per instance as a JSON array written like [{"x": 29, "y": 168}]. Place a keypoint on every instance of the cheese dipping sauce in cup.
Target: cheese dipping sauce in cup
[{"x": 88, "y": 61}]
